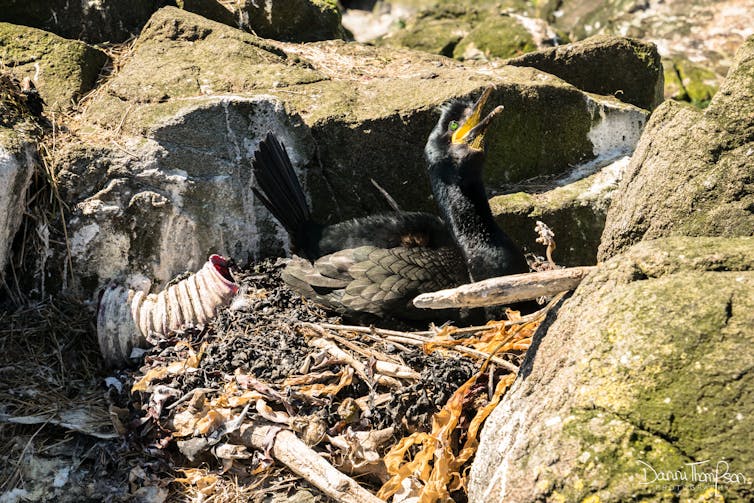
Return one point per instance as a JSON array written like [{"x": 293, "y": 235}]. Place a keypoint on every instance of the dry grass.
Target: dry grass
[
  {"x": 43, "y": 226},
  {"x": 119, "y": 54},
  {"x": 49, "y": 364},
  {"x": 233, "y": 487}
]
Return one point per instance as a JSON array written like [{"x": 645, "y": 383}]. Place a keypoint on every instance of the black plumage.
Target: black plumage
[
  {"x": 375, "y": 264},
  {"x": 455, "y": 154},
  {"x": 379, "y": 263}
]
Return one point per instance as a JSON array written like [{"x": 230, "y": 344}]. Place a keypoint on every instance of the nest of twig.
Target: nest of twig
[{"x": 398, "y": 411}]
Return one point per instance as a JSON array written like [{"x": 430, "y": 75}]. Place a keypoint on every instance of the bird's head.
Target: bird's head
[{"x": 458, "y": 139}]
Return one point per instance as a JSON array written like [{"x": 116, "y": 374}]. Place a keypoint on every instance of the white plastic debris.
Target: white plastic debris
[{"x": 128, "y": 319}]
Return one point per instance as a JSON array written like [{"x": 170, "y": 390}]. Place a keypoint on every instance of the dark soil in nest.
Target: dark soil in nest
[{"x": 257, "y": 336}]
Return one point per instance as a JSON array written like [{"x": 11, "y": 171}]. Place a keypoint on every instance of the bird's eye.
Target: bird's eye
[{"x": 453, "y": 125}]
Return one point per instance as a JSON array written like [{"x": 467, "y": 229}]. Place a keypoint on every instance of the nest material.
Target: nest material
[
  {"x": 377, "y": 404},
  {"x": 54, "y": 418}
]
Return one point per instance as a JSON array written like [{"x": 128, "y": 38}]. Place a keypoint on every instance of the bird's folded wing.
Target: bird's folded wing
[
  {"x": 386, "y": 280},
  {"x": 375, "y": 280},
  {"x": 328, "y": 272}
]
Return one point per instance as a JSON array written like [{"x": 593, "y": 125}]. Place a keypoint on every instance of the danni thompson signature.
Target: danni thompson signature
[{"x": 693, "y": 473}]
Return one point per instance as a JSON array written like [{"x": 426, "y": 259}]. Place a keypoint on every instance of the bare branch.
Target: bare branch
[{"x": 505, "y": 289}]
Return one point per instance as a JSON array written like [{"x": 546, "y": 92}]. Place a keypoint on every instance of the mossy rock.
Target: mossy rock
[
  {"x": 435, "y": 36},
  {"x": 634, "y": 377},
  {"x": 63, "y": 70},
  {"x": 465, "y": 31},
  {"x": 575, "y": 212},
  {"x": 582, "y": 19},
  {"x": 94, "y": 22},
  {"x": 692, "y": 170},
  {"x": 691, "y": 82},
  {"x": 211, "y": 9},
  {"x": 294, "y": 20},
  {"x": 495, "y": 37},
  {"x": 628, "y": 69},
  {"x": 437, "y": 30}
]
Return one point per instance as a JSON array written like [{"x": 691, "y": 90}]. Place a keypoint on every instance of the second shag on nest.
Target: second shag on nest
[{"x": 379, "y": 263}]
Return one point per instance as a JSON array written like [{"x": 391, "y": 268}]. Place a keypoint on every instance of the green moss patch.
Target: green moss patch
[
  {"x": 495, "y": 37},
  {"x": 63, "y": 70}
]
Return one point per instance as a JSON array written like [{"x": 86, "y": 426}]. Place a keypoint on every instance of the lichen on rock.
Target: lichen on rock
[
  {"x": 692, "y": 82},
  {"x": 495, "y": 37},
  {"x": 480, "y": 31},
  {"x": 634, "y": 372}
]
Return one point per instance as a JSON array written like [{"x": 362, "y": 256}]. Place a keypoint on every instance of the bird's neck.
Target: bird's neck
[{"x": 465, "y": 209}]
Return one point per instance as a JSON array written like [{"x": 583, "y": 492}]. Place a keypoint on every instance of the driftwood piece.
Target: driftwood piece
[
  {"x": 289, "y": 450},
  {"x": 506, "y": 289}
]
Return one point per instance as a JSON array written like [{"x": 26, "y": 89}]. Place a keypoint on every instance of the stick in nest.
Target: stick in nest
[
  {"x": 420, "y": 338},
  {"x": 505, "y": 289}
]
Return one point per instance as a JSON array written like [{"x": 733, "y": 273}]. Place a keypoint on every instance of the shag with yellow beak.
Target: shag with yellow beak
[
  {"x": 455, "y": 156},
  {"x": 379, "y": 263}
]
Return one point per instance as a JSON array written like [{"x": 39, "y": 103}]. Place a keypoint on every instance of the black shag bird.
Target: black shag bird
[
  {"x": 455, "y": 154},
  {"x": 379, "y": 263}
]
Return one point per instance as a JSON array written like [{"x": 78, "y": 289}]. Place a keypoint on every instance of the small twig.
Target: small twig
[
  {"x": 189, "y": 395},
  {"x": 123, "y": 119},
  {"x": 16, "y": 469},
  {"x": 124, "y": 150},
  {"x": 486, "y": 356},
  {"x": 386, "y": 195},
  {"x": 359, "y": 367},
  {"x": 377, "y": 338},
  {"x": 363, "y": 352},
  {"x": 418, "y": 341},
  {"x": 368, "y": 330},
  {"x": 385, "y": 366}
]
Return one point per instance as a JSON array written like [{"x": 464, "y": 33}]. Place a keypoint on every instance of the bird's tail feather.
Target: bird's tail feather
[{"x": 278, "y": 187}]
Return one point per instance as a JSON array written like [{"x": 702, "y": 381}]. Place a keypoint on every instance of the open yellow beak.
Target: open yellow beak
[{"x": 473, "y": 129}]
